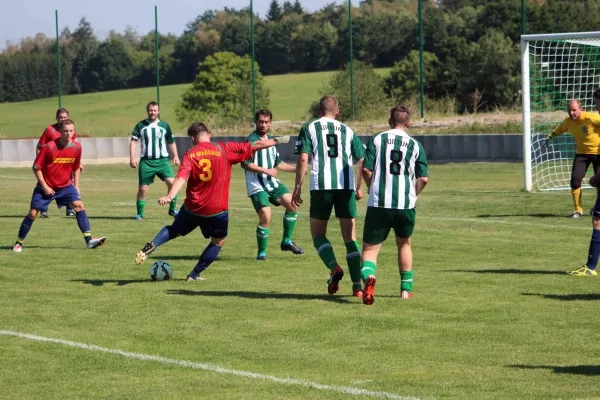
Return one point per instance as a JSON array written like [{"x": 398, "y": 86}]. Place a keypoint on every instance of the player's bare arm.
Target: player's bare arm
[
  {"x": 133, "y": 163},
  {"x": 173, "y": 147},
  {"x": 420, "y": 185},
  {"x": 359, "y": 179},
  {"x": 76, "y": 174},
  {"x": 368, "y": 176},
  {"x": 177, "y": 185},
  {"x": 301, "y": 167},
  {"x": 259, "y": 170},
  {"x": 285, "y": 167},
  {"x": 263, "y": 144},
  {"x": 48, "y": 191}
]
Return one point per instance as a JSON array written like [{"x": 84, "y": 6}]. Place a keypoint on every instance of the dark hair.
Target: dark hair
[
  {"x": 328, "y": 104},
  {"x": 597, "y": 94},
  {"x": 62, "y": 111},
  {"x": 65, "y": 122},
  {"x": 400, "y": 115},
  {"x": 152, "y": 103},
  {"x": 264, "y": 113},
  {"x": 197, "y": 128}
]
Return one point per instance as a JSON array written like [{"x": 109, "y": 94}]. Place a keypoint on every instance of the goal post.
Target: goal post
[{"x": 554, "y": 69}]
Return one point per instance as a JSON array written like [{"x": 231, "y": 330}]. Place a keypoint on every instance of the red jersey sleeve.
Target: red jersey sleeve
[
  {"x": 237, "y": 152},
  {"x": 186, "y": 166},
  {"x": 39, "y": 159},
  {"x": 46, "y": 137}
]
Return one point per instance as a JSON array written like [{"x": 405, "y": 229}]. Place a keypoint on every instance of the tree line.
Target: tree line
[{"x": 471, "y": 47}]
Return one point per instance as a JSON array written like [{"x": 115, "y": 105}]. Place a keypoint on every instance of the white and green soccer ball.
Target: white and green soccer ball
[{"x": 161, "y": 271}]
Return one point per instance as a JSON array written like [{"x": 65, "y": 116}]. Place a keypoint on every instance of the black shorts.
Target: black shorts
[{"x": 581, "y": 164}]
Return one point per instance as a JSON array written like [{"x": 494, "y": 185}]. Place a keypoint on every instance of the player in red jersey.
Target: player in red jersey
[
  {"x": 208, "y": 167},
  {"x": 50, "y": 134},
  {"x": 56, "y": 168}
]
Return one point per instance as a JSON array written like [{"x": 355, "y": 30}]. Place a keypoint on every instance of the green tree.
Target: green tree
[
  {"x": 84, "y": 44},
  {"x": 297, "y": 8},
  {"x": 313, "y": 47},
  {"x": 274, "y": 45},
  {"x": 235, "y": 35},
  {"x": 288, "y": 8},
  {"x": 275, "y": 13},
  {"x": 369, "y": 97},
  {"x": 403, "y": 82},
  {"x": 222, "y": 91},
  {"x": 494, "y": 71},
  {"x": 111, "y": 68}
]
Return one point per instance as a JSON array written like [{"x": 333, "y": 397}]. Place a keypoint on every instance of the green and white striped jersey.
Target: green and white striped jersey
[
  {"x": 397, "y": 160},
  {"x": 265, "y": 158},
  {"x": 154, "y": 138},
  {"x": 334, "y": 147}
]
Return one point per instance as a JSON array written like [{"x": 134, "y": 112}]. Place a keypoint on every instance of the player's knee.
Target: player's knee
[
  {"x": 575, "y": 182},
  {"x": 264, "y": 217},
  {"x": 32, "y": 215},
  {"x": 78, "y": 206},
  {"x": 291, "y": 208}
]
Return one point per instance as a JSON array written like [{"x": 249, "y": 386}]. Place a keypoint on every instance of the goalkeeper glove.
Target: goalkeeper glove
[
  {"x": 549, "y": 139},
  {"x": 282, "y": 139}
]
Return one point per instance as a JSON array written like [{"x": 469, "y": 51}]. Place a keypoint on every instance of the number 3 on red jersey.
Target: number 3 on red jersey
[{"x": 206, "y": 174}]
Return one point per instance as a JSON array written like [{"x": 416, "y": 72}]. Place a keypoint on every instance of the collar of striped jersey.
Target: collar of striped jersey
[{"x": 397, "y": 131}]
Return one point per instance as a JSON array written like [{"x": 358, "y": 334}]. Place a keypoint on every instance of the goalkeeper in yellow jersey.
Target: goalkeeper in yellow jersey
[
  {"x": 585, "y": 128},
  {"x": 589, "y": 268}
]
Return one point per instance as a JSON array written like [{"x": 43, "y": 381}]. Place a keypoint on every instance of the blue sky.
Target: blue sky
[{"x": 22, "y": 18}]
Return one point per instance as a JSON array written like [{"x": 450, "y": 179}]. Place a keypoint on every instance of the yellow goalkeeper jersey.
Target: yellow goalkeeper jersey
[{"x": 585, "y": 131}]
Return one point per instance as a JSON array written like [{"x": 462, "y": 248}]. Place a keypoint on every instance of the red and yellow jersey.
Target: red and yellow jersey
[
  {"x": 50, "y": 134},
  {"x": 207, "y": 168},
  {"x": 585, "y": 131},
  {"x": 58, "y": 163}
]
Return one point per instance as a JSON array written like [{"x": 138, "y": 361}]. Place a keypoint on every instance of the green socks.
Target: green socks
[
  {"x": 353, "y": 260},
  {"x": 140, "y": 205},
  {"x": 173, "y": 204},
  {"x": 262, "y": 239},
  {"x": 406, "y": 280},
  {"x": 289, "y": 223},
  {"x": 368, "y": 268},
  {"x": 325, "y": 251}
]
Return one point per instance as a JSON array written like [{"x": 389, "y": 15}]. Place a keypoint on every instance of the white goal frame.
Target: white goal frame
[{"x": 581, "y": 38}]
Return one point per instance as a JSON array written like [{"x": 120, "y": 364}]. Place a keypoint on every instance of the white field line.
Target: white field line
[{"x": 211, "y": 368}]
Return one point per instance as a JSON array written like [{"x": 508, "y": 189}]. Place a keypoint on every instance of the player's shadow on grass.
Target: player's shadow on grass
[
  {"x": 237, "y": 258},
  {"x": 589, "y": 370},
  {"x": 509, "y": 271},
  {"x": 260, "y": 295},
  {"x": 117, "y": 282},
  {"x": 535, "y": 215},
  {"x": 111, "y": 217},
  {"x": 567, "y": 297}
]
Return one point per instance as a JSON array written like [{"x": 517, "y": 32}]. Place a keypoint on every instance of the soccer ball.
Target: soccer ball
[{"x": 161, "y": 271}]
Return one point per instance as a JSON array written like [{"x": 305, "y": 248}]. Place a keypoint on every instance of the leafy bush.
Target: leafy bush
[
  {"x": 369, "y": 97},
  {"x": 222, "y": 91}
]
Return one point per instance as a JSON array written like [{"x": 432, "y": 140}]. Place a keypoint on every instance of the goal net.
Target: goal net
[{"x": 555, "y": 68}]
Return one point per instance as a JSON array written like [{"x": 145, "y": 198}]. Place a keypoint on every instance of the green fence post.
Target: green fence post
[{"x": 58, "y": 62}]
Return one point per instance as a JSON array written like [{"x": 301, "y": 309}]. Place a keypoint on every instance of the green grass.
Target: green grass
[
  {"x": 493, "y": 316},
  {"x": 109, "y": 114}
]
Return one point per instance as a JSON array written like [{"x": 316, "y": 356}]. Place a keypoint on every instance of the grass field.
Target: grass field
[
  {"x": 493, "y": 316},
  {"x": 109, "y": 114}
]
